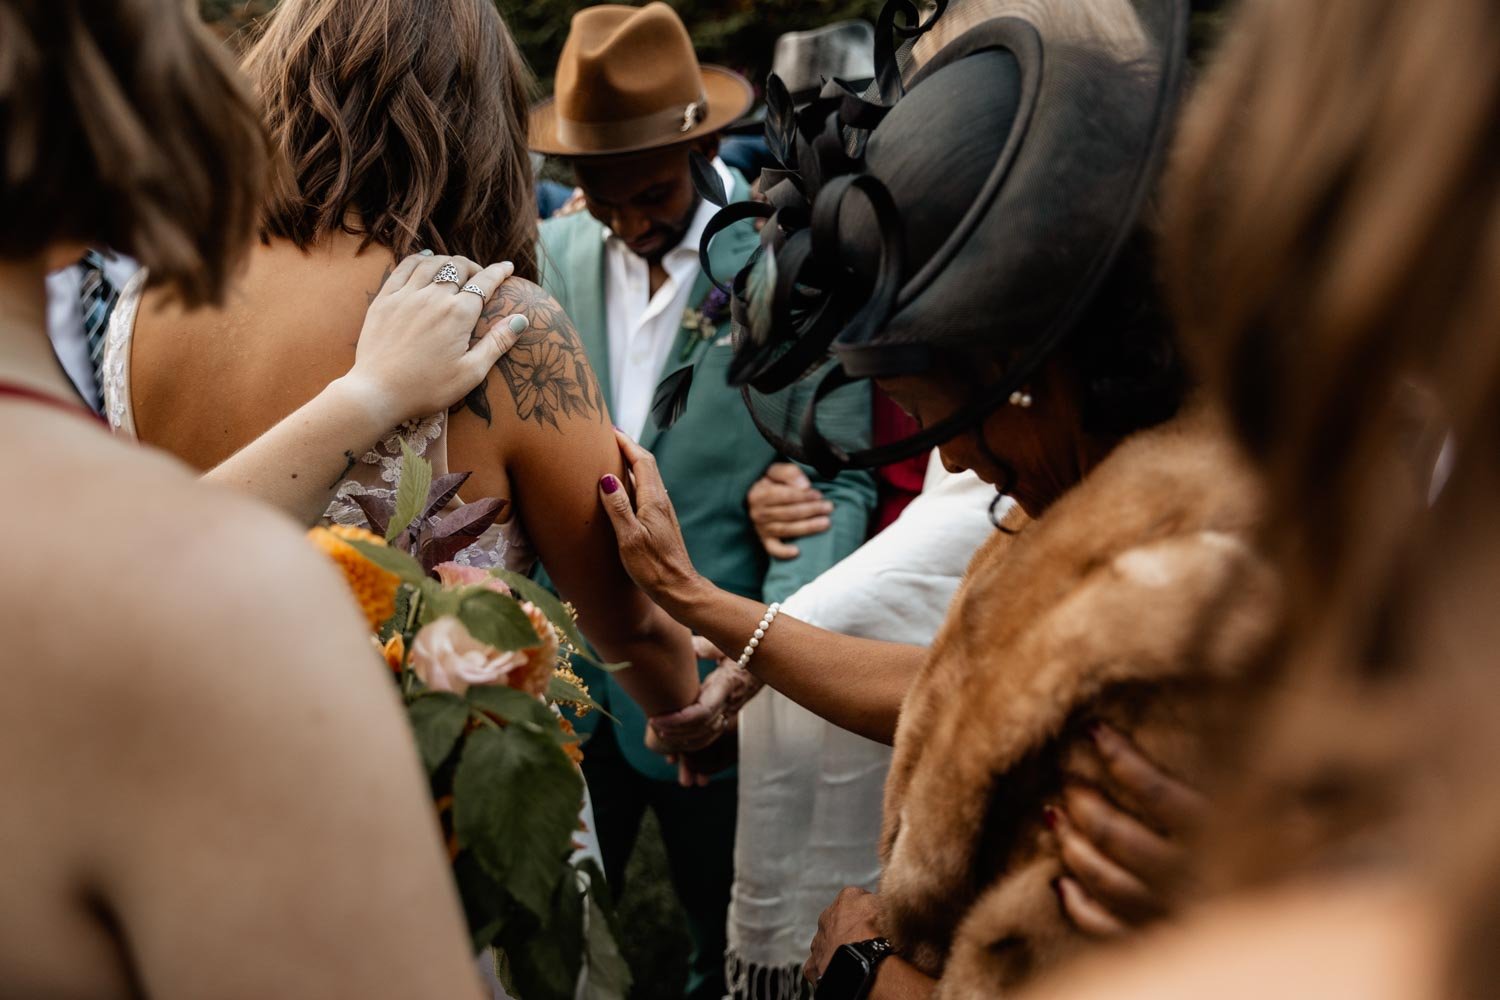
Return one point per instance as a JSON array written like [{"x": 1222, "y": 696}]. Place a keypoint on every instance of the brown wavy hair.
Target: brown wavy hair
[
  {"x": 1332, "y": 249},
  {"x": 124, "y": 125},
  {"x": 401, "y": 121}
]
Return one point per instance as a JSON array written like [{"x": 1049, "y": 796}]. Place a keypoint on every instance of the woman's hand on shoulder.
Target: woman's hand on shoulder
[
  {"x": 423, "y": 346},
  {"x": 1125, "y": 868}
]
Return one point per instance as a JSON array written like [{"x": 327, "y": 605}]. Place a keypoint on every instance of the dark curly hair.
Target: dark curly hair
[{"x": 1124, "y": 351}]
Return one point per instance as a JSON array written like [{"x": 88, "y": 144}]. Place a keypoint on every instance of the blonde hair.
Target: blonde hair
[
  {"x": 1111, "y": 25},
  {"x": 124, "y": 125}
]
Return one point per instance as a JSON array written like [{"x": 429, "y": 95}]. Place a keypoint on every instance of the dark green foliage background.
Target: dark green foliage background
[
  {"x": 740, "y": 34},
  {"x": 736, "y": 33}
]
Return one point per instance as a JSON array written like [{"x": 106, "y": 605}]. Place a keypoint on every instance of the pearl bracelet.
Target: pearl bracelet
[{"x": 760, "y": 633}]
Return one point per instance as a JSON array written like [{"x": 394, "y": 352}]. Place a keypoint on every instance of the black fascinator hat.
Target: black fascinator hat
[{"x": 968, "y": 203}]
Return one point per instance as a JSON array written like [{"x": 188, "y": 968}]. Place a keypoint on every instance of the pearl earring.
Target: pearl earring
[{"x": 1021, "y": 399}]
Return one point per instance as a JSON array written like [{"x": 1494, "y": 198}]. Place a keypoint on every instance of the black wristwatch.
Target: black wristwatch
[{"x": 851, "y": 974}]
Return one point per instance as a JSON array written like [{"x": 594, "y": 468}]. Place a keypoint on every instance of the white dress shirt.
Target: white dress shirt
[
  {"x": 642, "y": 327},
  {"x": 65, "y": 319}
]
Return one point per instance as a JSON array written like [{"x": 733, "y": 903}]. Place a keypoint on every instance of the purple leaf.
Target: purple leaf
[
  {"x": 436, "y": 551},
  {"x": 378, "y": 511},
  {"x": 443, "y": 489},
  {"x": 471, "y": 520},
  {"x": 460, "y": 529}
]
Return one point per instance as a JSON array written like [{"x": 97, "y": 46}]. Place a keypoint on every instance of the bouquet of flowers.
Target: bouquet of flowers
[{"x": 481, "y": 658}]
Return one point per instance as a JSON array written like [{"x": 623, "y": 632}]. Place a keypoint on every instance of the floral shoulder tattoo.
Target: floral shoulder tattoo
[{"x": 547, "y": 372}]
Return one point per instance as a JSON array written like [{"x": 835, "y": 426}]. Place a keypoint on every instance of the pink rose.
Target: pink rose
[
  {"x": 451, "y": 574},
  {"x": 447, "y": 658}
]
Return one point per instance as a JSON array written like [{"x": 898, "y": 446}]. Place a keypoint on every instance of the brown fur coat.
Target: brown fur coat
[{"x": 1136, "y": 600}]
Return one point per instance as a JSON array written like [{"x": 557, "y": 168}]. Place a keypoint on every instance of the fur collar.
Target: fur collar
[{"x": 1128, "y": 601}]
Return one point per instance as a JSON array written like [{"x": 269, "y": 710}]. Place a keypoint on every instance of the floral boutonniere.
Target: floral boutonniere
[{"x": 704, "y": 321}]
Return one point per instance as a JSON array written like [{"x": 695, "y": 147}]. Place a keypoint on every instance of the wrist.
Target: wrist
[
  {"x": 682, "y": 592},
  {"x": 852, "y": 972},
  {"x": 356, "y": 393}
]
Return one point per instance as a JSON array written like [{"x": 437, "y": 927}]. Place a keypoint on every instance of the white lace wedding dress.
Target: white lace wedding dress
[{"x": 375, "y": 473}]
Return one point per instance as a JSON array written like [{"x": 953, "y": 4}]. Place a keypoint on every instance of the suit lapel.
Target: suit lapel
[
  {"x": 586, "y": 258},
  {"x": 728, "y": 254}
]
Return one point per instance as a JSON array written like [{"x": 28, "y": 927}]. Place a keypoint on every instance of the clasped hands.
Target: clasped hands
[{"x": 702, "y": 739}]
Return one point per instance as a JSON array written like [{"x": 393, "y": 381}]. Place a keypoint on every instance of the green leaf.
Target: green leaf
[
  {"x": 608, "y": 973},
  {"x": 397, "y": 622},
  {"x": 437, "y": 602},
  {"x": 563, "y": 690},
  {"x": 518, "y": 708},
  {"x": 546, "y": 964},
  {"x": 437, "y": 720},
  {"x": 498, "y": 621},
  {"x": 391, "y": 560},
  {"x": 411, "y": 492},
  {"x": 487, "y": 907},
  {"x": 516, "y": 797},
  {"x": 529, "y": 590}
]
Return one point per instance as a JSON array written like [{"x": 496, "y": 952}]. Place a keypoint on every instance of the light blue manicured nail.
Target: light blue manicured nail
[
  {"x": 425, "y": 253},
  {"x": 518, "y": 324}
]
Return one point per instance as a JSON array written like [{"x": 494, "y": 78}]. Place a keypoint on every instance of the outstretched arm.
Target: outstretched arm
[
  {"x": 549, "y": 421},
  {"x": 857, "y": 684},
  {"x": 415, "y": 357}
]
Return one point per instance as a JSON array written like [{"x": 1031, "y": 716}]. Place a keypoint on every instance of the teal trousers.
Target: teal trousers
[{"x": 697, "y": 826}]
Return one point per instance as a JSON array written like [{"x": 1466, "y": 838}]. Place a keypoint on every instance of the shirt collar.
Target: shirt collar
[{"x": 701, "y": 218}]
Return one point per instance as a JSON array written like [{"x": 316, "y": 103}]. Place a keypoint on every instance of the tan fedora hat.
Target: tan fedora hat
[{"x": 629, "y": 80}]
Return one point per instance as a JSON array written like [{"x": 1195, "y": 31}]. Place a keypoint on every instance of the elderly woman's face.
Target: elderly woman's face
[{"x": 1033, "y": 453}]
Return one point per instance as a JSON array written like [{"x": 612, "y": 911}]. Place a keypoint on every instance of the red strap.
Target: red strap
[{"x": 35, "y": 396}]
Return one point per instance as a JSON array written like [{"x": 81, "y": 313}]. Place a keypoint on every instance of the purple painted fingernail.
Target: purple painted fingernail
[{"x": 610, "y": 484}]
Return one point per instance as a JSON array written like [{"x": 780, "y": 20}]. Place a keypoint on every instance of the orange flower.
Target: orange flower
[
  {"x": 394, "y": 652},
  {"x": 373, "y": 587},
  {"x": 573, "y": 750},
  {"x": 541, "y": 661}
]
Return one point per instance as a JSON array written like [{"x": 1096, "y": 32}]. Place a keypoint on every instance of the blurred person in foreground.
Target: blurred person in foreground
[
  {"x": 1332, "y": 247},
  {"x": 984, "y": 251},
  {"x": 188, "y": 814},
  {"x": 632, "y": 104}
]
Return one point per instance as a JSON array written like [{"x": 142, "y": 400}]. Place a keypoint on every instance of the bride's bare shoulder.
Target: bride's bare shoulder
[{"x": 546, "y": 376}]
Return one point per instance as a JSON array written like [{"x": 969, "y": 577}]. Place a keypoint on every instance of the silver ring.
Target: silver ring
[
  {"x": 446, "y": 274},
  {"x": 476, "y": 290}
]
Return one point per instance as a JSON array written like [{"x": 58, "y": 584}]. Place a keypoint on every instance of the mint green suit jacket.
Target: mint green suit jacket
[{"x": 711, "y": 457}]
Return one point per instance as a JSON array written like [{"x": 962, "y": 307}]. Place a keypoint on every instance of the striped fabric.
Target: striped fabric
[{"x": 96, "y": 299}]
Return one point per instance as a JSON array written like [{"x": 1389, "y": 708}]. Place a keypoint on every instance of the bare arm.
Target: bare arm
[
  {"x": 857, "y": 684},
  {"x": 554, "y": 428},
  {"x": 258, "y": 824},
  {"x": 414, "y": 357}
]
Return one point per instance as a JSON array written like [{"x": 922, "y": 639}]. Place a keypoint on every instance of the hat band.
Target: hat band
[{"x": 629, "y": 132}]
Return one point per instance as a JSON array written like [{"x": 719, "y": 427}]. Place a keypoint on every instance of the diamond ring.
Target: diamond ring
[
  {"x": 447, "y": 273},
  {"x": 475, "y": 289}
]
